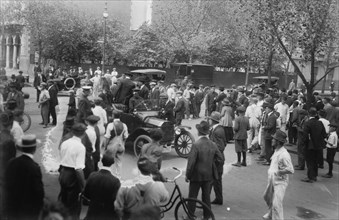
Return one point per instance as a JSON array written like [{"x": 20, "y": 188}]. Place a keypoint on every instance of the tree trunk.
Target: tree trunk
[
  {"x": 309, "y": 90},
  {"x": 269, "y": 67},
  {"x": 324, "y": 85}
]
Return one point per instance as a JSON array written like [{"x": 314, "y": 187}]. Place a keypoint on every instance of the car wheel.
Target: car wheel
[
  {"x": 183, "y": 144},
  {"x": 139, "y": 142}
]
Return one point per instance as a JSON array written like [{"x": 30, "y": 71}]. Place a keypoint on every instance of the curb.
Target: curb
[{"x": 295, "y": 152}]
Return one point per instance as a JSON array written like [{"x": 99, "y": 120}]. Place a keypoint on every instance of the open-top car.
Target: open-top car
[{"x": 144, "y": 118}]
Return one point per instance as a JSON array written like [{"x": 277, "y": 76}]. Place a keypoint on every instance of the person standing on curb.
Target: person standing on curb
[
  {"x": 44, "y": 104},
  {"x": 241, "y": 126},
  {"x": 281, "y": 165},
  {"x": 217, "y": 135}
]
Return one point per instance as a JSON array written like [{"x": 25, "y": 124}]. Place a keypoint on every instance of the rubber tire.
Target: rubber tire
[
  {"x": 177, "y": 148},
  {"x": 74, "y": 83},
  {"x": 180, "y": 203},
  {"x": 26, "y": 124},
  {"x": 136, "y": 148}
]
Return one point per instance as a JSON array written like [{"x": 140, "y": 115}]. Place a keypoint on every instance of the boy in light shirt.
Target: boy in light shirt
[{"x": 331, "y": 146}]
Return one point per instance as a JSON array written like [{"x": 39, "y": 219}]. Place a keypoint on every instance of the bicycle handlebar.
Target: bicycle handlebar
[{"x": 176, "y": 177}]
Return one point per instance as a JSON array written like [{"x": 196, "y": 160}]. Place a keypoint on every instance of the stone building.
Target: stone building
[{"x": 15, "y": 49}]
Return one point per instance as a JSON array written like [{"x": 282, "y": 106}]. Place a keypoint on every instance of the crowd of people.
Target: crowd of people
[{"x": 93, "y": 143}]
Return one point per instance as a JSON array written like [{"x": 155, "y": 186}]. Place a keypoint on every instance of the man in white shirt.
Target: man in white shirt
[
  {"x": 114, "y": 73},
  {"x": 91, "y": 122},
  {"x": 71, "y": 179},
  {"x": 171, "y": 92},
  {"x": 253, "y": 112},
  {"x": 16, "y": 130},
  {"x": 283, "y": 110}
]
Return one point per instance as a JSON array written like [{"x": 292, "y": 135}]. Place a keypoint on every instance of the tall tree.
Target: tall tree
[{"x": 312, "y": 23}]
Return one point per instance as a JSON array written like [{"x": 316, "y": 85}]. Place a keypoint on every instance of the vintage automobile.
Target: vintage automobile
[
  {"x": 148, "y": 75},
  {"x": 144, "y": 118}
]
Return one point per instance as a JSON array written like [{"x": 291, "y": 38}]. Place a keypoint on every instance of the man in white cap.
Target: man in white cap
[
  {"x": 23, "y": 182},
  {"x": 281, "y": 165},
  {"x": 71, "y": 179}
]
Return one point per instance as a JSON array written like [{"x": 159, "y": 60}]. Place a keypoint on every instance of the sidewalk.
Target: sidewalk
[{"x": 293, "y": 150}]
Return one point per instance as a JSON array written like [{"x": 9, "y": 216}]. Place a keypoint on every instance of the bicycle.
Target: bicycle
[{"x": 182, "y": 210}]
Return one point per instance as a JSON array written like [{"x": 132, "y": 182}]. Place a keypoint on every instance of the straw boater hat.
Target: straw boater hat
[
  {"x": 28, "y": 140},
  {"x": 280, "y": 136},
  {"x": 203, "y": 127}
]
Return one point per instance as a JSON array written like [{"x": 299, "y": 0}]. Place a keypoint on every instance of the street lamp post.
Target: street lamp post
[{"x": 105, "y": 16}]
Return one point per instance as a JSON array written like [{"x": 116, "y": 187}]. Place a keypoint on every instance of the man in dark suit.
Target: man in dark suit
[
  {"x": 315, "y": 130},
  {"x": 197, "y": 100},
  {"x": 144, "y": 91},
  {"x": 201, "y": 170},
  {"x": 101, "y": 190},
  {"x": 24, "y": 190},
  {"x": 84, "y": 108},
  {"x": 219, "y": 99},
  {"x": 269, "y": 129},
  {"x": 210, "y": 100},
  {"x": 124, "y": 90},
  {"x": 36, "y": 83},
  {"x": 53, "y": 101},
  {"x": 179, "y": 108},
  {"x": 217, "y": 135},
  {"x": 167, "y": 111},
  {"x": 154, "y": 94},
  {"x": 20, "y": 79}
]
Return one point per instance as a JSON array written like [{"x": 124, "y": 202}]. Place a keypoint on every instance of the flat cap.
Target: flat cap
[
  {"x": 93, "y": 119},
  {"x": 79, "y": 127}
]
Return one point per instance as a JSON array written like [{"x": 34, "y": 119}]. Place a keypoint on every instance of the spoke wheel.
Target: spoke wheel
[
  {"x": 183, "y": 212},
  {"x": 183, "y": 144},
  {"x": 26, "y": 123},
  {"x": 139, "y": 142}
]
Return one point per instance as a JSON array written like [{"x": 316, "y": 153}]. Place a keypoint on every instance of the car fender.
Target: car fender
[{"x": 138, "y": 132}]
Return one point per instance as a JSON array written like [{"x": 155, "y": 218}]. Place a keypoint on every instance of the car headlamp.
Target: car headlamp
[{"x": 177, "y": 131}]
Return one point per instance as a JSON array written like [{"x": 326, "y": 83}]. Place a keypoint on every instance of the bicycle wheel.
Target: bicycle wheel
[
  {"x": 26, "y": 123},
  {"x": 182, "y": 211}
]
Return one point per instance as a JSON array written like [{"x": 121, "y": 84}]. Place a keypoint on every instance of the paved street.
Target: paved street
[{"x": 243, "y": 187}]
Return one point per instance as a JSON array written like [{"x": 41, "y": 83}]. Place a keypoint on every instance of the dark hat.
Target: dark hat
[
  {"x": 79, "y": 127},
  {"x": 18, "y": 112},
  {"x": 261, "y": 94},
  {"x": 50, "y": 81},
  {"x": 6, "y": 118},
  {"x": 212, "y": 86},
  {"x": 241, "y": 109},
  {"x": 312, "y": 111},
  {"x": 69, "y": 121},
  {"x": 302, "y": 112},
  {"x": 316, "y": 93},
  {"x": 93, "y": 119},
  {"x": 269, "y": 105},
  {"x": 333, "y": 125},
  {"x": 108, "y": 157},
  {"x": 226, "y": 102},
  {"x": 221, "y": 88},
  {"x": 215, "y": 116},
  {"x": 21, "y": 71},
  {"x": 28, "y": 140},
  {"x": 280, "y": 136},
  {"x": 146, "y": 166},
  {"x": 203, "y": 127},
  {"x": 136, "y": 89}
]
